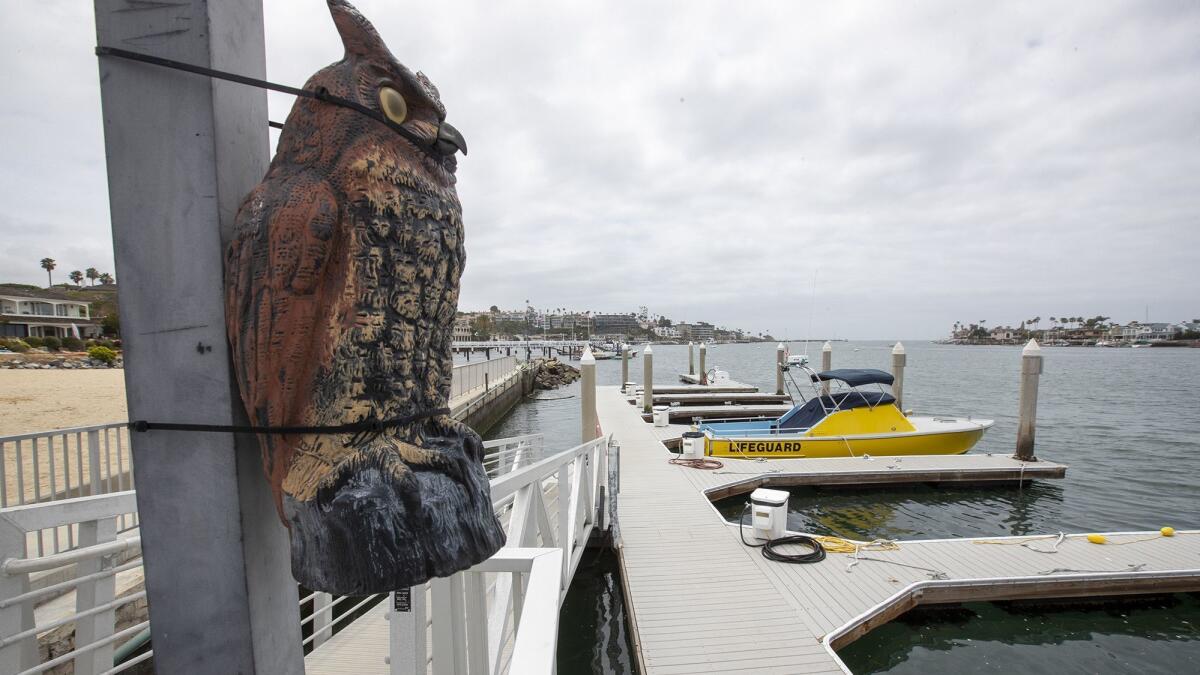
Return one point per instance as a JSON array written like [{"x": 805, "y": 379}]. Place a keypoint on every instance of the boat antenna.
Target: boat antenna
[{"x": 812, "y": 309}]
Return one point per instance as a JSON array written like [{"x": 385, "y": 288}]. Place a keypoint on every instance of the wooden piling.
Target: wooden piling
[
  {"x": 826, "y": 364},
  {"x": 691, "y": 358},
  {"x": 779, "y": 368},
  {"x": 648, "y": 380},
  {"x": 1031, "y": 370},
  {"x": 587, "y": 395},
  {"x": 624, "y": 364},
  {"x": 703, "y": 368},
  {"x": 899, "y": 360}
]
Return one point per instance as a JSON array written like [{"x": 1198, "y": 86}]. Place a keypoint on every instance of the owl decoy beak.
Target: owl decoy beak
[{"x": 450, "y": 140}]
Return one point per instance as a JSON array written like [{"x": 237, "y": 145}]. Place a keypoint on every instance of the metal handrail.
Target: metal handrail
[
  {"x": 576, "y": 471},
  {"x": 60, "y": 432}
]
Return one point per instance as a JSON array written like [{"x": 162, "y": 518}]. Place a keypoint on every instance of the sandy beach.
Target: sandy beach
[
  {"x": 41, "y": 400},
  {"x": 44, "y": 400}
]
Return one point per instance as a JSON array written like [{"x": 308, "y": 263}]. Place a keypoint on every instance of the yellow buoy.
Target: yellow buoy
[
  {"x": 1097, "y": 538},
  {"x": 1168, "y": 531}
]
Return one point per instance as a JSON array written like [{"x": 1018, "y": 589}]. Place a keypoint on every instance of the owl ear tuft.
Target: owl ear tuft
[{"x": 358, "y": 35}]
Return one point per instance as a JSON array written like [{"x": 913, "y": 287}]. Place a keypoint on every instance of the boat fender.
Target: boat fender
[
  {"x": 1167, "y": 532},
  {"x": 1097, "y": 539}
]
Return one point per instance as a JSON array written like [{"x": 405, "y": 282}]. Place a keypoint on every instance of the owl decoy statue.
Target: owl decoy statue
[{"x": 341, "y": 289}]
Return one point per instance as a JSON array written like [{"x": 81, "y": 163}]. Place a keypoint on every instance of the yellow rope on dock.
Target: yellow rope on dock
[
  {"x": 840, "y": 545},
  {"x": 1093, "y": 538}
]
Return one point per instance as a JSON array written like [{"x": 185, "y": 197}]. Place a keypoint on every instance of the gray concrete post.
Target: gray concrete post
[
  {"x": 587, "y": 395},
  {"x": 703, "y": 368},
  {"x": 648, "y": 380},
  {"x": 899, "y": 360},
  {"x": 826, "y": 363},
  {"x": 182, "y": 153},
  {"x": 691, "y": 358},
  {"x": 1031, "y": 370},
  {"x": 779, "y": 368}
]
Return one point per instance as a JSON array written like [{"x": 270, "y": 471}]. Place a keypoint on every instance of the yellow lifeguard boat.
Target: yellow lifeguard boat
[{"x": 849, "y": 423}]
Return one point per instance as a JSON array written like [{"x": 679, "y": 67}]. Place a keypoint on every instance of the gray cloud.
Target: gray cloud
[{"x": 928, "y": 163}]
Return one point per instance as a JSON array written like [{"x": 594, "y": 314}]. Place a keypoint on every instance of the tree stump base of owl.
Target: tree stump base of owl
[{"x": 373, "y": 529}]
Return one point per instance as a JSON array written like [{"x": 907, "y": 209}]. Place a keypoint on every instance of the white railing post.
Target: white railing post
[
  {"x": 537, "y": 632},
  {"x": 476, "y": 622},
  {"x": 91, "y": 594},
  {"x": 322, "y": 617},
  {"x": 443, "y": 631},
  {"x": 612, "y": 523},
  {"x": 93, "y": 448},
  {"x": 564, "y": 528},
  {"x": 406, "y": 631},
  {"x": 17, "y": 617}
]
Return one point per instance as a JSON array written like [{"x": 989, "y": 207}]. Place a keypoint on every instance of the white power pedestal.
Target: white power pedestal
[
  {"x": 662, "y": 415},
  {"x": 768, "y": 513}
]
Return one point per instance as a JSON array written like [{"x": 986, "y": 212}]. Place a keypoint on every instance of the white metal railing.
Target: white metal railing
[
  {"x": 506, "y": 454},
  {"x": 469, "y": 377},
  {"x": 500, "y": 616},
  {"x": 490, "y": 619},
  {"x": 96, "y": 565},
  {"x": 53, "y": 465}
]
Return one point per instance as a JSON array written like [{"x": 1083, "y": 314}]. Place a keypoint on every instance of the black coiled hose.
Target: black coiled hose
[{"x": 769, "y": 547}]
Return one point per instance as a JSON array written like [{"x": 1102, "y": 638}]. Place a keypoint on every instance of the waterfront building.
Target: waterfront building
[
  {"x": 700, "y": 331},
  {"x": 462, "y": 327},
  {"x": 1003, "y": 334},
  {"x": 606, "y": 324},
  {"x": 47, "y": 313},
  {"x": 670, "y": 332}
]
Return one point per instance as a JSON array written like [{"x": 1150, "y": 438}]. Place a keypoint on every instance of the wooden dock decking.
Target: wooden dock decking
[
  {"x": 701, "y": 601},
  {"x": 731, "y": 388},
  {"x": 719, "y": 397}
]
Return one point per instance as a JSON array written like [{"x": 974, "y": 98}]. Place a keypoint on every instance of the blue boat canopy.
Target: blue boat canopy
[
  {"x": 856, "y": 377},
  {"x": 806, "y": 415}
]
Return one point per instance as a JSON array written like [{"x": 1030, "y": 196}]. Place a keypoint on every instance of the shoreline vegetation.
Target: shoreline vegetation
[{"x": 1078, "y": 331}]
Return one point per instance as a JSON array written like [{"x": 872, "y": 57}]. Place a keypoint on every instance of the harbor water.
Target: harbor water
[{"x": 1122, "y": 419}]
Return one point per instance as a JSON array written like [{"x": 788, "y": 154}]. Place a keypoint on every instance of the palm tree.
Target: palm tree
[
  {"x": 106, "y": 279},
  {"x": 92, "y": 275},
  {"x": 48, "y": 264},
  {"x": 76, "y": 276}
]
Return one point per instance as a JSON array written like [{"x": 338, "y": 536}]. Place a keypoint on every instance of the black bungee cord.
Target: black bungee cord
[
  {"x": 319, "y": 95},
  {"x": 364, "y": 431}
]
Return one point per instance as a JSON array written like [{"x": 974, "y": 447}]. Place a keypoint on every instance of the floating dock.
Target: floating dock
[
  {"x": 701, "y": 601},
  {"x": 728, "y": 388},
  {"x": 742, "y": 398},
  {"x": 691, "y": 412}
]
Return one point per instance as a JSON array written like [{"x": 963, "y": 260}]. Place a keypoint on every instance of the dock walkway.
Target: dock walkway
[{"x": 701, "y": 601}]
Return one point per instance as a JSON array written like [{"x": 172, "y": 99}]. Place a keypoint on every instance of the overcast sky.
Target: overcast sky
[{"x": 922, "y": 163}]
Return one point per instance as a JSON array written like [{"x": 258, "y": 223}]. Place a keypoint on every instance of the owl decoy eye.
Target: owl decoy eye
[{"x": 393, "y": 104}]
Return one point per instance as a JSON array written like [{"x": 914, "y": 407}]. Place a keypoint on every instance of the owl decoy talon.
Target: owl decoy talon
[{"x": 449, "y": 140}]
